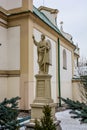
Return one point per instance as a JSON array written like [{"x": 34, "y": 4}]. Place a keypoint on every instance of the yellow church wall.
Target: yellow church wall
[
  {"x": 23, "y": 23},
  {"x": 76, "y": 90},
  {"x": 9, "y": 6},
  {"x": 3, "y": 48},
  {"x": 3, "y": 88},
  {"x": 13, "y": 50},
  {"x": 26, "y": 58},
  {"x": 13, "y": 87},
  {"x": 9, "y": 73},
  {"x": 66, "y": 74}
]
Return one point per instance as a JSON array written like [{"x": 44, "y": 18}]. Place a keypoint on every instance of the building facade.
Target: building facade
[{"x": 19, "y": 21}]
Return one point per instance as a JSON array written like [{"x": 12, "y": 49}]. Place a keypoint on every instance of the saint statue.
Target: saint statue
[{"x": 44, "y": 54}]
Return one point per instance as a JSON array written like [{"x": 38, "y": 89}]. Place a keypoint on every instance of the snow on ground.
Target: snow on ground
[{"x": 68, "y": 123}]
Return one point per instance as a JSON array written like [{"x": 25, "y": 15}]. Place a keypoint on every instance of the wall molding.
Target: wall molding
[{"x": 9, "y": 73}]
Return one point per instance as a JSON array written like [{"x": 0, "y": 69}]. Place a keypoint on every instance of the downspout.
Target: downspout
[{"x": 59, "y": 89}]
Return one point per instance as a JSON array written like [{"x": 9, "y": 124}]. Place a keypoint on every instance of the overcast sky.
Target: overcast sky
[{"x": 73, "y": 13}]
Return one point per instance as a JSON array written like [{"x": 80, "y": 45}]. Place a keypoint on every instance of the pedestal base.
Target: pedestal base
[
  {"x": 37, "y": 110},
  {"x": 43, "y": 98}
]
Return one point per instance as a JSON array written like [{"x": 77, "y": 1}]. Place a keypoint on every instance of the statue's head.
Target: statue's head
[{"x": 42, "y": 36}]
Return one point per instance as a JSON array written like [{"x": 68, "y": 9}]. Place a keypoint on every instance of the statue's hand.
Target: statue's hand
[
  {"x": 40, "y": 50},
  {"x": 33, "y": 37},
  {"x": 43, "y": 49}
]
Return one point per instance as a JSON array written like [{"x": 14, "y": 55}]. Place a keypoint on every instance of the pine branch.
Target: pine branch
[
  {"x": 78, "y": 109},
  {"x": 9, "y": 112},
  {"x": 46, "y": 122}
]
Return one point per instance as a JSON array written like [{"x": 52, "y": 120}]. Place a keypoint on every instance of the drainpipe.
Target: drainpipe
[{"x": 59, "y": 89}]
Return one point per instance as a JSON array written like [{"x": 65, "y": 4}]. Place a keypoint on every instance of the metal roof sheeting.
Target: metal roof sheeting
[{"x": 45, "y": 19}]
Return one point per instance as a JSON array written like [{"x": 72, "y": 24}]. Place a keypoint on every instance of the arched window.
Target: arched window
[{"x": 64, "y": 59}]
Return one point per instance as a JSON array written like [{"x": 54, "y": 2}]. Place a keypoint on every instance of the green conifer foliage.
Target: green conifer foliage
[
  {"x": 46, "y": 122},
  {"x": 83, "y": 88},
  {"x": 8, "y": 113},
  {"x": 78, "y": 109}
]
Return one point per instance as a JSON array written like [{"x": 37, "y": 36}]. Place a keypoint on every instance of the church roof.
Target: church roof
[{"x": 45, "y": 19}]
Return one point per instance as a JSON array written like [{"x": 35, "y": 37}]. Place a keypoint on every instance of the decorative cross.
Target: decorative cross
[{"x": 61, "y": 25}]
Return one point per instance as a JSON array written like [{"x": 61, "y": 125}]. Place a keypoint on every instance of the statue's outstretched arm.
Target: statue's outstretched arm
[{"x": 35, "y": 42}]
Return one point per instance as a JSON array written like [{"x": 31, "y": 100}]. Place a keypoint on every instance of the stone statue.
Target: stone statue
[{"x": 44, "y": 54}]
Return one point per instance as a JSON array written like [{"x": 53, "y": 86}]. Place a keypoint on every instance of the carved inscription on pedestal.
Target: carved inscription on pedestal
[{"x": 41, "y": 88}]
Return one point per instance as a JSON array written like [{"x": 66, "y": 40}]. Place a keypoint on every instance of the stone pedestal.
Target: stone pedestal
[
  {"x": 36, "y": 110},
  {"x": 43, "y": 97},
  {"x": 43, "y": 88}
]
